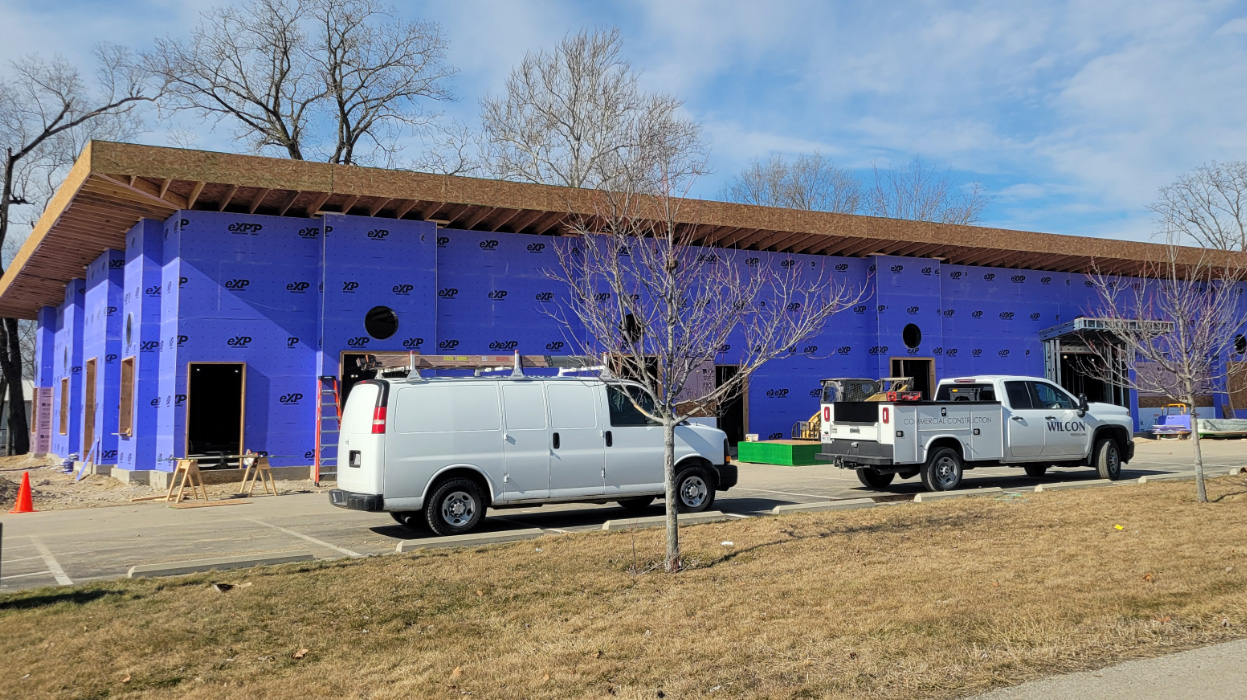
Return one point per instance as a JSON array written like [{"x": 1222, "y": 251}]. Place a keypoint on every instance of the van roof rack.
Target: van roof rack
[{"x": 396, "y": 363}]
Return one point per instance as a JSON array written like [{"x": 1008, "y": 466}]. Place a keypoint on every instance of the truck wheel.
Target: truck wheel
[
  {"x": 943, "y": 470},
  {"x": 694, "y": 490},
  {"x": 1036, "y": 470},
  {"x": 874, "y": 479},
  {"x": 1107, "y": 459},
  {"x": 454, "y": 507},
  {"x": 408, "y": 519},
  {"x": 636, "y": 505}
]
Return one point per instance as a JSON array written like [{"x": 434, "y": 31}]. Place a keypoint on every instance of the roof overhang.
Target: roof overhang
[{"x": 114, "y": 185}]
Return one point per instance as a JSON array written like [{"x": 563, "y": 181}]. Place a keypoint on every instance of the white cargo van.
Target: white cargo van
[{"x": 436, "y": 453}]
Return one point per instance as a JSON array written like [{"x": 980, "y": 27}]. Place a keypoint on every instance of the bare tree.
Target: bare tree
[
  {"x": 660, "y": 309},
  {"x": 1207, "y": 206},
  {"x": 576, "y": 116},
  {"x": 1174, "y": 327},
  {"x": 811, "y": 183},
  {"x": 47, "y": 112},
  {"x": 308, "y": 78},
  {"x": 919, "y": 192}
]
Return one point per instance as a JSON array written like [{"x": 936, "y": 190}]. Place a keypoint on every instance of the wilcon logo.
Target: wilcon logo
[
  {"x": 489, "y": 244},
  {"x": 239, "y": 341},
  {"x": 1045, "y": 280},
  {"x": 116, "y": 264},
  {"x": 844, "y": 349},
  {"x": 378, "y": 234},
  {"x": 536, "y": 247},
  {"x": 1035, "y": 316},
  {"x": 111, "y": 357},
  {"x": 1017, "y": 279},
  {"x": 1006, "y": 315},
  {"x": 442, "y": 241},
  {"x": 153, "y": 291},
  {"x": 448, "y": 345},
  {"x": 912, "y": 310},
  {"x": 357, "y": 342},
  {"x": 1003, "y": 353},
  {"x": 498, "y": 294},
  {"x": 310, "y": 232},
  {"x": 555, "y": 346},
  {"x": 447, "y": 293},
  {"x": 403, "y": 289},
  {"x": 989, "y": 277},
  {"x": 292, "y": 341},
  {"x": 842, "y": 267},
  {"x": 149, "y": 346},
  {"x": 504, "y": 345},
  {"x": 289, "y": 399},
  {"x": 956, "y": 275},
  {"x": 776, "y": 393},
  {"x": 545, "y": 296},
  {"x": 244, "y": 228},
  {"x": 350, "y": 287},
  {"x": 298, "y": 287},
  {"x": 976, "y": 314},
  {"x": 859, "y": 309},
  {"x": 897, "y": 269},
  {"x": 238, "y": 285},
  {"x": 413, "y": 343},
  {"x": 1073, "y": 426}
]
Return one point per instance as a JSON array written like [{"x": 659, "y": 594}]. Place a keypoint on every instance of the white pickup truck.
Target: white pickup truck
[{"x": 973, "y": 421}]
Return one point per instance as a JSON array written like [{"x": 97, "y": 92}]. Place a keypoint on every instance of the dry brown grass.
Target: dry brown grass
[{"x": 939, "y": 600}]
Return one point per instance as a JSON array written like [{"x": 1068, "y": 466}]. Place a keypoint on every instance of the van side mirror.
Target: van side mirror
[{"x": 1082, "y": 405}]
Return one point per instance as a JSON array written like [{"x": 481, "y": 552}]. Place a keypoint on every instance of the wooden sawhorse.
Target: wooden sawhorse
[
  {"x": 257, "y": 467},
  {"x": 186, "y": 472}
]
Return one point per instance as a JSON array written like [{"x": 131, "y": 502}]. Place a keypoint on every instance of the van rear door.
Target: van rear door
[
  {"x": 361, "y": 453},
  {"x": 578, "y": 447}
]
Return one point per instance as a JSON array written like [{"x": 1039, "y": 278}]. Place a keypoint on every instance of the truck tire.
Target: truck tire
[
  {"x": 694, "y": 490},
  {"x": 943, "y": 470},
  {"x": 636, "y": 505},
  {"x": 409, "y": 519},
  {"x": 454, "y": 507},
  {"x": 1106, "y": 458},
  {"x": 1036, "y": 470},
  {"x": 873, "y": 479}
]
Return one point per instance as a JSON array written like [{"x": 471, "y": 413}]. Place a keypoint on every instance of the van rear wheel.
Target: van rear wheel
[
  {"x": 454, "y": 507},
  {"x": 694, "y": 490},
  {"x": 873, "y": 478}
]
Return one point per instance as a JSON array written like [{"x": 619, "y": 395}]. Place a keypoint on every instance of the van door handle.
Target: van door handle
[
  {"x": 556, "y": 441},
  {"x": 1049, "y": 417},
  {"x": 1017, "y": 418},
  {"x": 609, "y": 439}
]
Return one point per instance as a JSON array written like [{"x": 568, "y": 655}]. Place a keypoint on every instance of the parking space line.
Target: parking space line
[
  {"x": 10, "y": 561},
  {"x": 313, "y": 540},
  {"x": 36, "y": 573},
  {"x": 49, "y": 561}
]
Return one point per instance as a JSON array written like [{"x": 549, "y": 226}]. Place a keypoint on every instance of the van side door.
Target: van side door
[
  {"x": 1026, "y": 423},
  {"x": 634, "y": 459},
  {"x": 525, "y": 442},
  {"x": 577, "y": 447}
]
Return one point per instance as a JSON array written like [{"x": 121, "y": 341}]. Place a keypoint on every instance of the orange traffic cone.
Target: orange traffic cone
[{"x": 24, "y": 504}]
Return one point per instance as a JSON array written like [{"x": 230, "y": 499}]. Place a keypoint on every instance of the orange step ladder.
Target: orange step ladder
[{"x": 328, "y": 425}]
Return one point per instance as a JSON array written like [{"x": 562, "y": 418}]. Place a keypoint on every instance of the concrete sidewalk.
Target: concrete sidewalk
[{"x": 1211, "y": 673}]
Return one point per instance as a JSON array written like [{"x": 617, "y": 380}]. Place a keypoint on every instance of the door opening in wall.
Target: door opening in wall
[
  {"x": 352, "y": 375},
  {"x": 88, "y": 412},
  {"x": 215, "y": 411},
  {"x": 732, "y": 410},
  {"x": 921, "y": 369}
]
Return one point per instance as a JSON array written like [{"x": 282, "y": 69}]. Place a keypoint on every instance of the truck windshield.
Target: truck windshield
[{"x": 966, "y": 392}]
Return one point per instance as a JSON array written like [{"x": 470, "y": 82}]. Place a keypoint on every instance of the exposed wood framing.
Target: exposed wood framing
[
  {"x": 287, "y": 202},
  {"x": 194, "y": 195},
  {"x": 257, "y": 200},
  {"x": 315, "y": 205},
  {"x": 229, "y": 194},
  {"x": 381, "y": 202},
  {"x": 404, "y": 208},
  {"x": 349, "y": 203}
]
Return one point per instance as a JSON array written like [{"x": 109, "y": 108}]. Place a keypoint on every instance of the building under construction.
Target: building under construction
[{"x": 190, "y": 303}]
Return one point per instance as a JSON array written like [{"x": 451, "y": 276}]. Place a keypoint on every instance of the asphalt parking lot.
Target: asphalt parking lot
[{"x": 74, "y": 546}]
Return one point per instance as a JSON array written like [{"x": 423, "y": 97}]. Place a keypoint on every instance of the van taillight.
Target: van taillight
[{"x": 378, "y": 420}]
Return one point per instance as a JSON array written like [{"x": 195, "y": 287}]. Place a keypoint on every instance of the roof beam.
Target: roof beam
[
  {"x": 381, "y": 203},
  {"x": 404, "y": 208},
  {"x": 287, "y": 203},
  {"x": 229, "y": 194},
  {"x": 164, "y": 187},
  {"x": 737, "y": 235},
  {"x": 194, "y": 195},
  {"x": 148, "y": 190},
  {"x": 523, "y": 222},
  {"x": 349, "y": 203},
  {"x": 818, "y": 241},
  {"x": 556, "y": 218},
  {"x": 480, "y": 216},
  {"x": 316, "y": 204},
  {"x": 503, "y": 220},
  {"x": 255, "y": 202}
]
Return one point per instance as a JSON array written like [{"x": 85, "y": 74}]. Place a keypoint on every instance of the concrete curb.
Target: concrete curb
[
  {"x": 710, "y": 516},
  {"x": 1173, "y": 477},
  {"x": 195, "y": 566},
  {"x": 469, "y": 540},
  {"x": 964, "y": 493},
  {"x": 820, "y": 506},
  {"x": 1236, "y": 471},
  {"x": 1065, "y": 485}
]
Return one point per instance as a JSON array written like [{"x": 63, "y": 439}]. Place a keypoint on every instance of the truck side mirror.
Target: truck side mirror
[{"x": 1082, "y": 405}]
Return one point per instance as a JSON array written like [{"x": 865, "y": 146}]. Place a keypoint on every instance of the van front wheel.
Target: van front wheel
[
  {"x": 454, "y": 507},
  {"x": 694, "y": 490}
]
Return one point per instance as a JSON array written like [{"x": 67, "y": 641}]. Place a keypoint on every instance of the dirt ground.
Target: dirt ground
[{"x": 53, "y": 489}]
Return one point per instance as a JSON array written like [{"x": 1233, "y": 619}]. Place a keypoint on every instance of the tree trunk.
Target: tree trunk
[
  {"x": 11, "y": 366},
  {"x": 1201, "y": 493},
  {"x": 668, "y": 471}
]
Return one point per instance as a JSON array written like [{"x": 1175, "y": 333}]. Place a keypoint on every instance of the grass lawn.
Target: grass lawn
[{"x": 938, "y": 600}]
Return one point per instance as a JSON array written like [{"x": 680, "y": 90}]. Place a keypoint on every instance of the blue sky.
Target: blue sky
[{"x": 1071, "y": 114}]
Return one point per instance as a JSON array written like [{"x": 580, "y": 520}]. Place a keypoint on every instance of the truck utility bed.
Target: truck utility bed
[{"x": 878, "y": 433}]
